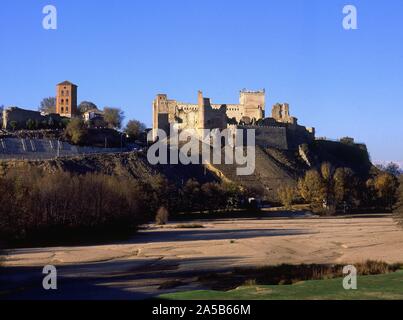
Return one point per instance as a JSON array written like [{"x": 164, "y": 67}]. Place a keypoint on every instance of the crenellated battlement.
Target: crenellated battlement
[{"x": 277, "y": 130}]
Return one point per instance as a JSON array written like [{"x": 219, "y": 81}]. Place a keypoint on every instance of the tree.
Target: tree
[
  {"x": 113, "y": 117},
  {"x": 76, "y": 131},
  {"x": 312, "y": 188},
  {"x": 393, "y": 169},
  {"x": 343, "y": 184},
  {"x": 386, "y": 186},
  {"x": 134, "y": 129},
  {"x": 86, "y": 106},
  {"x": 329, "y": 188},
  {"x": 48, "y": 105},
  {"x": 399, "y": 205},
  {"x": 287, "y": 195}
]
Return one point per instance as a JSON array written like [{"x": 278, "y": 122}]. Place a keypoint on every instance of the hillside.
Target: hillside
[
  {"x": 134, "y": 165},
  {"x": 274, "y": 167},
  {"x": 353, "y": 156},
  {"x": 270, "y": 173}
]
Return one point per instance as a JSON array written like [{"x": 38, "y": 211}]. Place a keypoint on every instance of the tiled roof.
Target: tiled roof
[{"x": 66, "y": 83}]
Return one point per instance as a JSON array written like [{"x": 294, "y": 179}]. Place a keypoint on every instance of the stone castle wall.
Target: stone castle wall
[
  {"x": 279, "y": 131},
  {"x": 204, "y": 114},
  {"x": 269, "y": 137},
  {"x": 21, "y": 116}
]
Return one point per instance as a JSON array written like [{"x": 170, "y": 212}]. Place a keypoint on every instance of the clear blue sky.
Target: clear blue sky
[{"x": 122, "y": 53}]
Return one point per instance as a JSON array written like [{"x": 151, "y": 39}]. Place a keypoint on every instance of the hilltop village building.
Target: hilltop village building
[
  {"x": 66, "y": 99},
  {"x": 281, "y": 130},
  {"x": 66, "y": 107}
]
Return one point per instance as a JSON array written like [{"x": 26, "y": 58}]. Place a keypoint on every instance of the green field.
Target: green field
[{"x": 388, "y": 286}]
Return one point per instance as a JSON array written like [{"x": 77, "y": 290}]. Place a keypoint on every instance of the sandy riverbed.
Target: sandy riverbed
[
  {"x": 135, "y": 269},
  {"x": 240, "y": 242}
]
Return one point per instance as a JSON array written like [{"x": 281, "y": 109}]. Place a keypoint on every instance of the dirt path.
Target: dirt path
[{"x": 136, "y": 268}]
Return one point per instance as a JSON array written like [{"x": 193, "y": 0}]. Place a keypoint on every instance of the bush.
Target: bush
[
  {"x": 211, "y": 197},
  {"x": 162, "y": 216},
  {"x": 13, "y": 125},
  {"x": 30, "y": 124}
]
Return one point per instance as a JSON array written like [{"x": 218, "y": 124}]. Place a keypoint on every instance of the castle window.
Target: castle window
[
  {"x": 67, "y": 109},
  {"x": 62, "y": 101},
  {"x": 62, "y": 109},
  {"x": 62, "y": 93}
]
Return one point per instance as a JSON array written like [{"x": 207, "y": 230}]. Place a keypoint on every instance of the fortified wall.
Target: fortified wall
[
  {"x": 19, "y": 117},
  {"x": 45, "y": 149},
  {"x": 206, "y": 115},
  {"x": 281, "y": 130}
]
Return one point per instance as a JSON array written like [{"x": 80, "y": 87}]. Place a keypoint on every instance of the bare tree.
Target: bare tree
[
  {"x": 48, "y": 105},
  {"x": 113, "y": 117},
  {"x": 393, "y": 169},
  {"x": 134, "y": 129}
]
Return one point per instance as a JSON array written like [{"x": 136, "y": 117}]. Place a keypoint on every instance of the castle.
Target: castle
[
  {"x": 204, "y": 114},
  {"x": 281, "y": 130}
]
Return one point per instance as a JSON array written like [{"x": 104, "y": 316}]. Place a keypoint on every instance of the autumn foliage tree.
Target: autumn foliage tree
[
  {"x": 312, "y": 188},
  {"x": 384, "y": 189},
  {"x": 329, "y": 188},
  {"x": 76, "y": 131},
  {"x": 287, "y": 195}
]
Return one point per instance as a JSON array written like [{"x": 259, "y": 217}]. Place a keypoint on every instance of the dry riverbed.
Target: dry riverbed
[{"x": 156, "y": 255}]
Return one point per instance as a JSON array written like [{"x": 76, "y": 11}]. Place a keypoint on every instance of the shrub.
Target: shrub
[
  {"x": 162, "y": 216},
  {"x": 30, "y": 124},
  {"x": 189, "y": 226},
  {"x": 13, "y": 125}
]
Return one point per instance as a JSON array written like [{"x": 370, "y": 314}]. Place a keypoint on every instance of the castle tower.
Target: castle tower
[
  {"x": 201, "y": 118},
  {"x": 281, "y": 113},
  {"x": 160, "y": 115},
  {"x": 254, "y": 103},
  {"x": 66, "y": 99}
]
